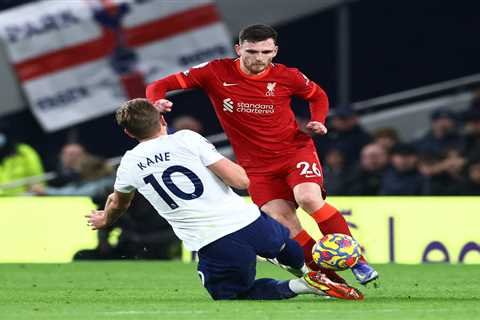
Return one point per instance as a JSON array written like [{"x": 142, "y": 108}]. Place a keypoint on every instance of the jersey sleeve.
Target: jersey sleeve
[
  {"x": 206, "y": 151},
  {"x": 302, "y": 86},
  {"x": 310, "y": 91},
  {"x": 122, "y": 182},
  {"x": 195, "y": 77}
]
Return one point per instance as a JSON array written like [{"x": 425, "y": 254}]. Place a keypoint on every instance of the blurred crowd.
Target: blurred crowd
[{"x": 444, "y": 161}]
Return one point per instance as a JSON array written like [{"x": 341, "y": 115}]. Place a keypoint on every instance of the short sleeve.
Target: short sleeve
[
  {"x": 195, "y": 77},
  {"x": 301, "y": 86},
  {"x": 207, "y": 152},
  {"x": 122, "y": 183}
]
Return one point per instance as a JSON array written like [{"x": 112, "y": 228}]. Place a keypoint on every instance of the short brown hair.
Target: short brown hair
[
  {"x": 386, "y": 133},
  {"x": 139, "y": 117},
  {"x": 258, "y": 32}
]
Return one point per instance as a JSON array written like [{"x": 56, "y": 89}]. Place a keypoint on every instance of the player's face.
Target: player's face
[{"x": 256, "y": 56}]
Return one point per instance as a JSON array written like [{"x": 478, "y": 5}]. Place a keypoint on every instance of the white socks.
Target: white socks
[{"x": 300, "y": 286}]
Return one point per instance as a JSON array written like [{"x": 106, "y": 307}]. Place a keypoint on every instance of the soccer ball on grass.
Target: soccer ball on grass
[{"x": 336, "y": 251}]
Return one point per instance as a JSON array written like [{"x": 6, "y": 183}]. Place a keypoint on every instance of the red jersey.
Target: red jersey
[{"x": 254, "y": 111}]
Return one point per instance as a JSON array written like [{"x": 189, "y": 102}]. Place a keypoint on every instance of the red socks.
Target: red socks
[
  {"x": 330, "y": 220},
  {"x": 307, "y": 243}
]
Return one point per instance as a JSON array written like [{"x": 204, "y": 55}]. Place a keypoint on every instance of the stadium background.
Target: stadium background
[
  {"x": 385, "y": 57},
  {"x": 357, "y": 51}
]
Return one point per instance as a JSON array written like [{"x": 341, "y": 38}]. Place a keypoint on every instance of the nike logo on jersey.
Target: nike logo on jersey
[{"x": 225, "y": 84}]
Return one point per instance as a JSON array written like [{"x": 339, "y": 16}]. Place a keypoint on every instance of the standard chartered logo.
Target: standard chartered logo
[
  {"x": 255, "y": 108},
  {"x": 258, "y": 108},
  {"x": 228, "y": 105}
]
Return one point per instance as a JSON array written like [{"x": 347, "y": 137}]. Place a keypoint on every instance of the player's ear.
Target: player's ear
[
  {"x": 275, "y": 51},
  {"x": 237, "y": 49},
  {"x": 129, "y": 134},
  {"x": 163, "y": 122}
]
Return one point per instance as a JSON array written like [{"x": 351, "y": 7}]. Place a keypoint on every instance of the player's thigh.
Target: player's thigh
[
  {"x": 280, "y": 207},
  {"x": 304, "y": 166},
  {"x": 264, "y": 188},
  {"x": 284, "y": 212},
  {"x": 227, "y": 267}
]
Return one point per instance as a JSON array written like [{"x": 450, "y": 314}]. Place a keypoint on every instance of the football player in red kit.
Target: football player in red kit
[{"x": 251, "y": 96}]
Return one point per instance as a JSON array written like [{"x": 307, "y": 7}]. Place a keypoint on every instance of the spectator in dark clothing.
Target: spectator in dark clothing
[
  {"x": 335, "y": 172},
  {"x": 386, "y": 137},
  {"x": 442, "y": 173},
  {"x": 443, "y": 134},
  {"x": 471, "y": 118},
  {"x": 367, "y": 177},
  {"x": 144, "y": 235},
  {"x": 68, "y": 169},
  {"x": 402, "y": 178},
  {"x": 345, "y": 134},
  {"x": 471, "y": 185}
]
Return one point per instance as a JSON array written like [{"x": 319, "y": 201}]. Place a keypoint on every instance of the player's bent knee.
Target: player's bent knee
[
  {"x": 292, "y": 254},
  {"x": 272, "y": 247},
  {"x": 308, "y": 200}
]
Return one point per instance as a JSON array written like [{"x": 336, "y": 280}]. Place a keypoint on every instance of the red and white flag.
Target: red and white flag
[{"x": 80, "y": 59}]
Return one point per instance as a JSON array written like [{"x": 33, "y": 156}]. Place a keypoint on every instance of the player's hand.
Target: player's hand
[
  {"x": 163, "y": 105},
  {"x": 97, "y": 219},
  {"x": 316, "y": 127}
]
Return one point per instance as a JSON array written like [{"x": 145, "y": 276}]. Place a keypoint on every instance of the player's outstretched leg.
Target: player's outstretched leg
[
  {"x": 290, "y": 258},
  {"x": 296, "y": 272},
  {"x": 330, "y": 220},
  {"x": 268, "y": 289},
  {"x": 311, "y": 283},
  {"x": 278, "y": 248}
]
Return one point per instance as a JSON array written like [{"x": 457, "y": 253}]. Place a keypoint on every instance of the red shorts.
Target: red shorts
[{"x": 278, "y": 178}]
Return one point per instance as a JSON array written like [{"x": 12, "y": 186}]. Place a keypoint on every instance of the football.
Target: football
[{"x": 336, "y": 251}]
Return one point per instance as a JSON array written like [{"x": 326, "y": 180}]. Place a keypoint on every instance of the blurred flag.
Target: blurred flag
[{"x": 77, "y": 60}]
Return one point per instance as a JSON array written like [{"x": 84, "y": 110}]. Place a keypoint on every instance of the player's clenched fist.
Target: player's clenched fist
[
  {"x": 163, "y": 105},
  {"x": 317, "y": 127}
]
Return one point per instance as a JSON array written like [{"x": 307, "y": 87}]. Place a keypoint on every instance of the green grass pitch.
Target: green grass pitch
[{"x": 172, "y": 290}]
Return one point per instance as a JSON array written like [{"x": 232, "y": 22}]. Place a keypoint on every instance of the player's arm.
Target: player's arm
[
  {"x": 316, "y": 98},
  {"x": 318, "y": 103},
  {"x": 117, "y": 204},
  {"x": 193, "y": 78},
  {"x": 158, "y": 89},
  {"x": 231, "y": 173}
]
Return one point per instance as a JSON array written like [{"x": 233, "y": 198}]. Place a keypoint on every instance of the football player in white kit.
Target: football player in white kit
[{"x": 188, "y": 182}]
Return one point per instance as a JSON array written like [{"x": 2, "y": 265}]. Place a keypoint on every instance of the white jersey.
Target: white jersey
[{"x": 171, "y": 173}]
